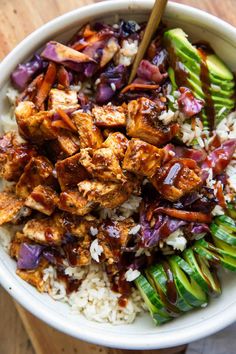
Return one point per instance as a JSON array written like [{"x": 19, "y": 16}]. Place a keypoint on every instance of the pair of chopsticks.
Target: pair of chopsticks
[{"x": 153, "y": 22}]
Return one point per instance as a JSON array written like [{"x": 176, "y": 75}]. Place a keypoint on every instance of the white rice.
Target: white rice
[
  {"x": 127, "y": 52},
  {"x": 94, "y": 298},
  {"x": 132, "y": 274}
]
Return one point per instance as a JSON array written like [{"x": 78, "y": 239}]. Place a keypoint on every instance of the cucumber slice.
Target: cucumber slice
[
  {"x": 226, "y": 221},
  {"x": 160, "y": 279},
  {"x": 229, "y": 263},
  {"x": 223, "y": 233},
  {"x": 210, "y": 274},
  {"x": 167, "y": 308},
  {"x": 231, "y": 210},
  {"x": 198, "y": 275},
  {"x": 188, "y": 288},
  {"x": 215, "y": 255},
  {"x": 224, "y": 248},
  {"x": 152, "y": 300}
]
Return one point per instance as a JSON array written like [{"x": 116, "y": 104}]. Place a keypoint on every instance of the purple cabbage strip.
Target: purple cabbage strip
[
  {"x": 71, "y": 58},
  {"x": 150, "y": 72},
  {"x": 24, "y": 73},
  {"x": 113, "y": 75},
  {"x": 198, "y": 229},
  {"x": 29, "y": 256},
  {"x": 219, "y": 158},
  {"x": 188, "y": 104},
  {"x": 163, "y": 227}
]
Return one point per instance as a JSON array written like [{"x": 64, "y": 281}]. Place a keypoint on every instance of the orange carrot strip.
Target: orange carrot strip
[
  {"x": 191, "y": 216},
  {"x": 134, "y": 86},
  {"x": 47, "y": 83},
  {"x": 220, "y": 195},
  {"x": 63, "y": 77},
  {"x": 64, "y": 116}
]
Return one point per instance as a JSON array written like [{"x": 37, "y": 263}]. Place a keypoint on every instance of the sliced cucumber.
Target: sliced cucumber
[
  {"x": 226, "y": 221},
  {"x": 231, "y": 210},
  {"x": 223, "y": 233},
  {"x": 152, "y": 300},
  {"x": 210, "y": 274},
  {"x": 160, "y": 280},
  {"x": 198, "y": 275},
  {"x": 187, "y": 287},
  {"x": 224, "y": 248}
]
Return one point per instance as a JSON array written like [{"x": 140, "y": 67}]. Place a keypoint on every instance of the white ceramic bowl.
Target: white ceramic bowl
[{"x": 142, "y": 334}]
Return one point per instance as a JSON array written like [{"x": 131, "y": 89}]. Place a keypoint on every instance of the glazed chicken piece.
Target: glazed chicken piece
[
  {"x": 62, "y": 99},
  {"x": 78, "y": 252},
  {"x": 46, "y": 230},
  {"x": 90, "y": 136},
  {"x": 66, "y": 144},
  {"x": 70, "y": 172},
  {"x": 73, "y": 202},
  {"x": 13, "y": 157},
  {"x": 102, "y": 164},
  {"x": 43, "y": 199},
  {"x": 12, "y": 209},
  {"x": 35, "y": 277},
  {"x": 107, "y": 194},
  {"x": 177, "y": 178},
  {"x": 143, "y": 123},
  {"x": 109, "y": 116},
  {"x": 34, "y": 126},
  {"x": 113, "y": 236},
  {"x": 118, "y": 143},
  {"x": 38, "y": 171},
  {"x": 142, "y": 158}
]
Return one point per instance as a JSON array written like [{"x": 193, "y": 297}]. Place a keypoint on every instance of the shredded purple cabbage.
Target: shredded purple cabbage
[
  {"x": 24, "y": 73},
  {"x": 70, "y": 58},
  {"x": 219, "y": 158},
  {"x": 29, "y": 256},
  {"x": 188, "y": 104},
  {"x": 113, "y": 75},
  {"x": 150, "y": 72}
]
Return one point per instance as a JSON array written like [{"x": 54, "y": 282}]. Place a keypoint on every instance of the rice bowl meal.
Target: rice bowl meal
[{"x": 119, "y": 198}]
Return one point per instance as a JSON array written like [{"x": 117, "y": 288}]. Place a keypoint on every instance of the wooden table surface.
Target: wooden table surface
[{"x": 17, "y": 20}]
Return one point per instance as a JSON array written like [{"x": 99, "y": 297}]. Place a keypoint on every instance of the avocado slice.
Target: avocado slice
[{"x": 216, "y": 86}]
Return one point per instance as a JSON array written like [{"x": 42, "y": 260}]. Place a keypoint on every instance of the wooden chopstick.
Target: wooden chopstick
[{"x": 153, "y": 22}]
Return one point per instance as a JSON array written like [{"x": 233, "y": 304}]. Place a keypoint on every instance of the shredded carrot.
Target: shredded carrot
[
  {"x": 191, "y": 216},
  {"x": 134, "y": 86},
  {"x": 46, "y": 85},
  {"x": 220, "y": 194},
  {"x": 66, "y": 119},
  {"x": 63, "y": 77}
]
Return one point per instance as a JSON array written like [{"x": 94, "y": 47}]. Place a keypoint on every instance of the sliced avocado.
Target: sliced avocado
[
  {"x": 179, "y": 37},
  {"x": 187, "y": 62},
  {"x": 218, "y": 69}
]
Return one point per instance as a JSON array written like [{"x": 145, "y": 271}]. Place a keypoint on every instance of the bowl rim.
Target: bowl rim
[{"x": 20, "y": 293}]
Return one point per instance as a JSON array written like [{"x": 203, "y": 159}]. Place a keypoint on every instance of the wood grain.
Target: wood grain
[{"x": 17, "y": 20}]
